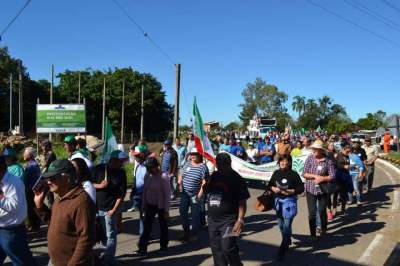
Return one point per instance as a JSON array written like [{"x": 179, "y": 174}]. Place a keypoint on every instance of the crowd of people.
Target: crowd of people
[{"x": 81, "y": 201}]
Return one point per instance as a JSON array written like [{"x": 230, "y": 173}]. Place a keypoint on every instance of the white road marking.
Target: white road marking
[{"x": 366, "y": 256}]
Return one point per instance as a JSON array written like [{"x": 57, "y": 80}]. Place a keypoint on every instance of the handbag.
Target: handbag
[
  {"x": 328, "y": 187},
  {"x": 264, "y": 202}
]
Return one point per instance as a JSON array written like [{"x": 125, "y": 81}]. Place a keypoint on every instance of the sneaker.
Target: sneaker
[
  {"x": 358, "y": 203},
  {"x": 140, "y": 253},
  {"x": 131, "y": 209},
  {"x": 330, "y": 216}
]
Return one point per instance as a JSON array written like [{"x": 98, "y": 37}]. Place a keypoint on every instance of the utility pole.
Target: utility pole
[
  {"x": 79, "y": 88},
  {"x": 104, "y": 109},
  {"x": 20, "y": 101},
  {"x": 177, "y": 93},
  {"x": 142, "y": 113},
  {"x": 397, "y": 133},
  {"x": 51, "y": 92},
  {"x": 10, "y": 103},
  {"x": 123, "y": 112}
]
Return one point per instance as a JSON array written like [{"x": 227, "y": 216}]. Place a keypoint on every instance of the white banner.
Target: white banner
[{"x": 264, "y": 172}]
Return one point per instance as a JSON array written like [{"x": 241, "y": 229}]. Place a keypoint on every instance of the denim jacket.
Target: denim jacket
[{"x": 287, "y": 205}]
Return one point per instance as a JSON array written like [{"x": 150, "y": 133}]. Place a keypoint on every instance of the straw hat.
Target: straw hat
[{"x": 318, "y": 144}]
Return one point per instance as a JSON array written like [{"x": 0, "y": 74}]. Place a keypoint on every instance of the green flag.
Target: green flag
[{"x": 110, "y": 142}]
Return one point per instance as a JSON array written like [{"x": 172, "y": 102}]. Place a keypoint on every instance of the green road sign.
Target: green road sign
[{"x": 60, "y": 118}]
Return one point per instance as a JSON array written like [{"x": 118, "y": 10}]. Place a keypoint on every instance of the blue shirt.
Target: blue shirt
[
  {"x": 356, "y": 164},
  {"x": 237, "y": 150},
  {"x": 181, "y": 151},
  {"x": 16, "y": 170},
  {"x": 260, "y": 145},
  {"x": 192, "y": 177},
  {"x": 32, "y": 173},
  {"x": 268, "y": 158},
  {"x": 165, "y": 161},
  {"x": 225, "y": 147},
  {"x": 140, "y": 173}
]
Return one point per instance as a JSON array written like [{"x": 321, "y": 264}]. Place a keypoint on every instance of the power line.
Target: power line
[
  {"x": 374, "y": 15},
  {"x": 391, "y": 5},
  {"x": 355, "y": 24},
  {"x": 15, "y": 18},
  {"x": 145, "y": 34}
]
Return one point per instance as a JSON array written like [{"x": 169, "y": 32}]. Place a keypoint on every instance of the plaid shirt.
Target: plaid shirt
[{"x": 322, "y": 168}]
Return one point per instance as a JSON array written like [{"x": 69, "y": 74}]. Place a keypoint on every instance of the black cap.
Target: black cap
[{"x": 60, "y": 167}]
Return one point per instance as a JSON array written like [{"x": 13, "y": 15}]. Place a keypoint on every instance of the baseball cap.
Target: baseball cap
[
  {"x": 58, "y": 167},
  {"x": 168, "y": 142},
  {"x": 70, "y": 139},
  {"x": 139, "y": 149},
  {"x": 9, "y": 152}
]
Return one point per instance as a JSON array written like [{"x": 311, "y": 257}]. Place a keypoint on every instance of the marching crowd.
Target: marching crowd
[{"x": 81, "y": 202}]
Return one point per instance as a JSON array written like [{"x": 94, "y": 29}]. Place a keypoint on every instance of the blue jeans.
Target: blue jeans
[
  {"x": 195, "y": 205},
  {"x": 138, "y": 199},
  {"x": 370, "y": 178},
  {"x": 109, "y": 224},
  {"x": 137, "y": 204},
  {"x": 14, "y": 244},
  {"x": 285, "y": 226},
  {"x": 358, "y": 188}
]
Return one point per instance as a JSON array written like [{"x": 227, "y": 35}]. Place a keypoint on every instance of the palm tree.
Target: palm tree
[{"x": 299, "y": 104}]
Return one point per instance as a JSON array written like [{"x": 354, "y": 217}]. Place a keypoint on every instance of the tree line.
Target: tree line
[
  {"x": 267, "y": 100},
  {"x": 158, "y": 114}
]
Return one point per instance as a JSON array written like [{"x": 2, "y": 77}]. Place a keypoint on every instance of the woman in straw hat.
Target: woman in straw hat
[{"x": 318, "y": 170}]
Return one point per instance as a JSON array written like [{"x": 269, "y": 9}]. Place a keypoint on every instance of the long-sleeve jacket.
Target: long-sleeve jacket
[{"x": 71, "y": 233}]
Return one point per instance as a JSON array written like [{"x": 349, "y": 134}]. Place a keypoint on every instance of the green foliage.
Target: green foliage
[
  {"x": 322, "y": 112},
  {"x": 158, "y": 114},
  {"x": 299, "y": 104},
  {"x": 265, "y": 99},
  {"x": 339, "y": 124},
  {"x": 32, "y": 91},
  {"x": 373, "y": 120},
  {"x": 232, "y": 126}
]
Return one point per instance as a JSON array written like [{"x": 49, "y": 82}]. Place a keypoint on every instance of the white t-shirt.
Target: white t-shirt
[
  {"x": 251, "y": 154},
  {"x": 90, "y": 190},
  {"x": 80, "y": 155},
  {"x": 13, "y": 209}
]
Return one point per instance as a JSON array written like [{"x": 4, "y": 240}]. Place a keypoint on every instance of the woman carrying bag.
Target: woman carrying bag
[
  {"x": 286, "y": 184},
  {"x": 318, "y": 171}
]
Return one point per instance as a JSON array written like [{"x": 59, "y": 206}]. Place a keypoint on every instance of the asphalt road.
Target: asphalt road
[{"x": 351, "y": 238}]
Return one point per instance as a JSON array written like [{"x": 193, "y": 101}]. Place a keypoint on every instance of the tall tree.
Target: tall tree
[
  {"x": 265, "y": 99},
  {"x": 299, "y": 104},
  {"x": 373, "y": 120}
]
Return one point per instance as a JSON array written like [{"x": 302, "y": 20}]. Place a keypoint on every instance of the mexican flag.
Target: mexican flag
[
  {"x": 110, "y": 142},
  {"x": 201, "y": 140}
]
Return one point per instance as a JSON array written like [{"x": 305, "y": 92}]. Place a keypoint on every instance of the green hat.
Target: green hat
[
  {"x": 70, "y": 139},
  {"x": 60, "y": 167},
  {"x": 9, "y": 152}
]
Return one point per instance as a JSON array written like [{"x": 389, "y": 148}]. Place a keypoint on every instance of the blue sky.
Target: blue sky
[{"x": 222, "y": 45}]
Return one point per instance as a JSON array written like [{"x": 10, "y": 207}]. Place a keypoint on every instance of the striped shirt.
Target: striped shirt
[
  {"x": 322, "y": 168},
  {"x": 166, "y": 158},
  {"x": 192, "y": 177}
]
